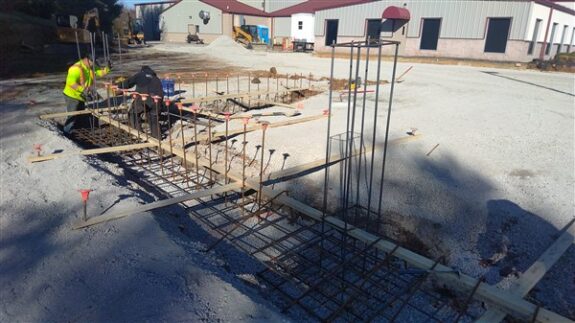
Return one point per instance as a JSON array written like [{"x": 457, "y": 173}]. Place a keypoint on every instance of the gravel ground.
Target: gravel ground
[{"x": 491, "y": 197}]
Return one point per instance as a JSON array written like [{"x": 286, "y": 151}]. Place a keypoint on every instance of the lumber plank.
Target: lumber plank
[
  {"x": 157, "y": 205},
  {"x": 535, "y": 273},
  {"x": 507, "y": 301},
  {"x": 85, "y": 152},
  {"x": 76, "y": 113}
]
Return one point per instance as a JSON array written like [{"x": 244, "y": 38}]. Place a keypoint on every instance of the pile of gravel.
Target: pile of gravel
[{"x": 227, "y": 44}]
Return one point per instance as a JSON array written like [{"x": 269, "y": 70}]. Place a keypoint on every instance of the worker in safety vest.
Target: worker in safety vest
[
  {"x": 148, "y": 99},
  {"x": 78, "y": 88}
]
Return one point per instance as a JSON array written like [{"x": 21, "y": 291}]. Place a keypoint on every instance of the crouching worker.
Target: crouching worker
[
  {"x": 148, "y": 101},
  {"x": 78, "y": 89}
]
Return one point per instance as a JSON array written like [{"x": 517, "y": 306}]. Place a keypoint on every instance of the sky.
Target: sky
[{"x": 130, "y": 3}]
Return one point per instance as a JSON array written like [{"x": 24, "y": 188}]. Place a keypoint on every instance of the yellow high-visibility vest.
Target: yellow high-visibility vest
[{"x": 79, "y": 78}]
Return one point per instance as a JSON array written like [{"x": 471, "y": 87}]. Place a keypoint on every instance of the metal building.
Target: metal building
[
  {"x": 148, "y": 14},
  {"x": 189, "y": 17},
  {"x": 473, "y": 29}
]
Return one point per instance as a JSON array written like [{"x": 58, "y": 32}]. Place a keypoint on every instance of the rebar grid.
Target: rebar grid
[
  {"x": 365, "y": 284},
  {"x": 312, "y": 270}
]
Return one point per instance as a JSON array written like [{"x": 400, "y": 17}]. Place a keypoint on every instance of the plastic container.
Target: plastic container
[{"x": 168, "y": 86}]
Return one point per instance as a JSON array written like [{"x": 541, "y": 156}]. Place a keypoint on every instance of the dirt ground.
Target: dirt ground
[{"x": 491, "y": 197}]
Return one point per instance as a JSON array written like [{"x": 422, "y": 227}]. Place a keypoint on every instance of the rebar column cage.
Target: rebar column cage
[
  {"x": 360, "y": 174},
  {"x": 332, "y": 276}
]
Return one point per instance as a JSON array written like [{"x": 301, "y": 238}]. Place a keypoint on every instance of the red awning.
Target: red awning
[{"x": 393, "y": 12}]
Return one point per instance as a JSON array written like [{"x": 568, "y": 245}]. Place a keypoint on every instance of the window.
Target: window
[
  {"x": 562, "y": 39},
  {"x": 550, "y": 43},
  {"x": 430, "y": 33},
  {"x": 331, "y": 32},
  {"x": 373, "y": 29},
  {"x": 535, "y": 35},
  {"x": 497, "y": 34},
  {"x": 300, "y": 25}
]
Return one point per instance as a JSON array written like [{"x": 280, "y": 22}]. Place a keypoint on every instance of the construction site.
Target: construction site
[{"x": 274, "y": 186}]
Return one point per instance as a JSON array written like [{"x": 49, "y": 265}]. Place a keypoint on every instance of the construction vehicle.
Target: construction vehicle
[
  {"x": 251, "y": 34},
  {"x": 91, "y": 21},
  {"x": 136, "y": 31},
  {"x": 68, "y": 31},
  {"x": 130, "y": 30}
]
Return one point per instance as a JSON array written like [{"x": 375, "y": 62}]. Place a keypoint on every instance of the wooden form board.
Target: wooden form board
[
  {"x": 505, "y": 300},
  {"x": 241, "y": 95},
  {"x": 533, "y": 275},
  {"x": 85, "y": 152},
  {"x": 157, "y": 205},
  {"x": 76, "y": 113}
]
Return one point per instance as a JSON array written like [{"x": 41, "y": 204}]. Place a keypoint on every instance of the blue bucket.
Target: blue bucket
[{"x": 168, "y": 86}]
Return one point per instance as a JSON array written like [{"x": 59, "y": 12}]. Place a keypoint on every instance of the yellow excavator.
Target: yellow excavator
[
  {"x": 135, "y": 31},
  {"x": 242, "y": 35},
  {"x": 251, "y": 34},
  {"x": 67, "y": 28}
]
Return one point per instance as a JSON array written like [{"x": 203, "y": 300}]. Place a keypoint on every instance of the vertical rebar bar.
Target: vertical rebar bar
[
  {"x": 244, "y": 143},
  {"x": 374, "y": 135},
  {"x": 349, "y": 157},
  {"x": 264, "y": 128},
  {"x": 386, "y": 135},
  {"x": 168, "y": 103},
  {"x": 196, "y": 143},
  {"x": 160, "y": 152},
  {"x": 193, "y": 86},
  {"x": 361, "y": 132},
  {"x": 327, "y": 152},
  {"x": 77, "y": 44},
  {"x": 183, "y": 145},
  {"x": 226, "y": 180},
  {"x": 210, "y": 148},
  {"x": 345, "y": 155}
]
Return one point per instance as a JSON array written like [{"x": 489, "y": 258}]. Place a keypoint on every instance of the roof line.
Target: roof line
[{"x": 555, "y": 6}]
